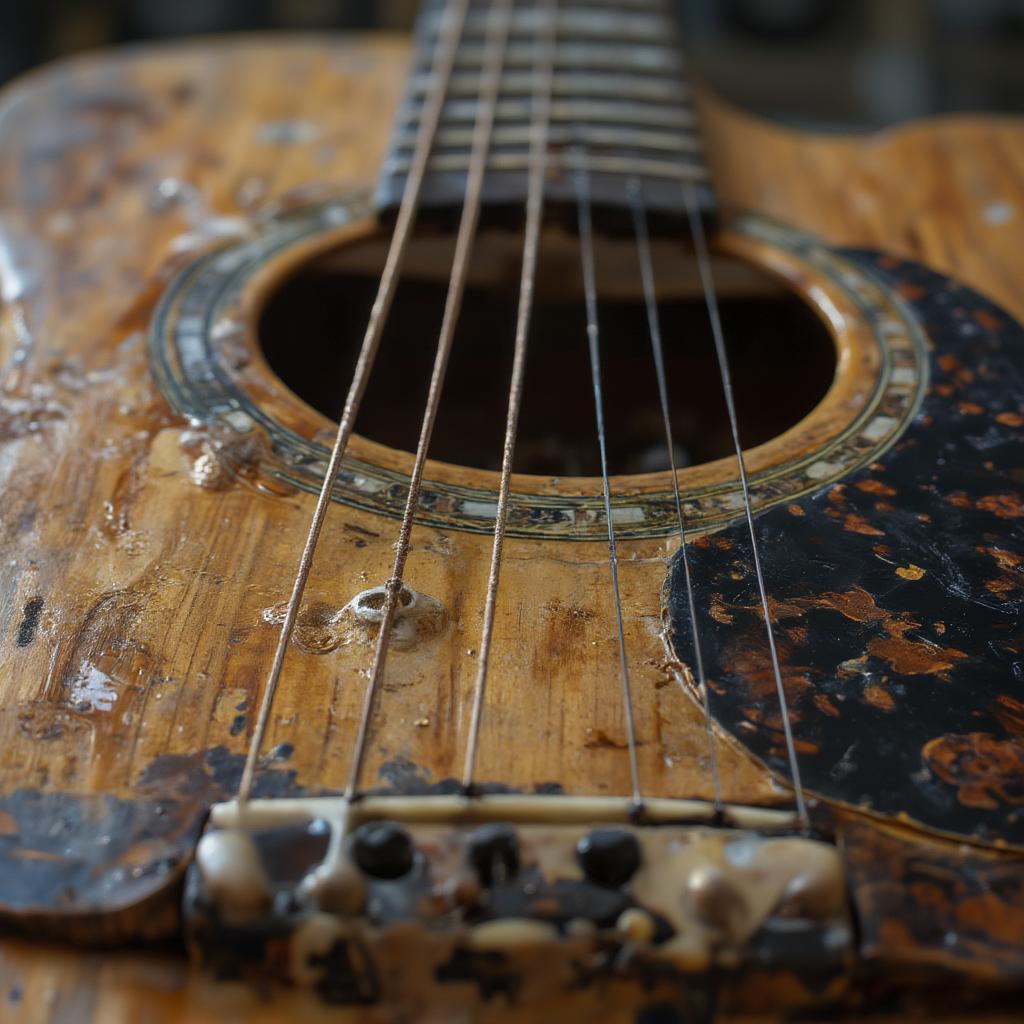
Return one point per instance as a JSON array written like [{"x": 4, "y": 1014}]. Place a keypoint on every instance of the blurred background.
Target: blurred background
[{"x": 820, "y": 64}]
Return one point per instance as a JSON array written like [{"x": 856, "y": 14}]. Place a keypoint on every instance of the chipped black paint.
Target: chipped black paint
[
  {"x": 94, "y": 855},
  {"x": 29, "y": 622},
  {"x": 896, "y": 596},
  {"x": 214, "y": 775},
  {"x": 403, "y": 776},
  {"x": 68, "y": 850}
]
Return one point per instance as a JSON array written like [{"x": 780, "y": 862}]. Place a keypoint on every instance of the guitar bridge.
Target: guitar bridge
[{"x": 458, "y": 900}]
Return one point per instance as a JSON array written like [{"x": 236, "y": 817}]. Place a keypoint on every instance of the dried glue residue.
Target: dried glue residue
[
  {"x": 220, "y": 456},
  {"x": 418, "y": 617},
  {"x": 321, "y": 627}
]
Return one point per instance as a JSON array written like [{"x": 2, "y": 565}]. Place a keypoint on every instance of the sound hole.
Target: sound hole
[{"x": 781, "y": 354}]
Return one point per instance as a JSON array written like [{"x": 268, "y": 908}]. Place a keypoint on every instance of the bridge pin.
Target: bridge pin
[
  {"x": 383, "y": 849},
  {"x": 609, "y": 856},
  {"x": 493, "y": 850}
]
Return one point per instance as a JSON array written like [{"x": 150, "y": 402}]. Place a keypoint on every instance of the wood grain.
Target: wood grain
[{"x": 150, "y": 640}]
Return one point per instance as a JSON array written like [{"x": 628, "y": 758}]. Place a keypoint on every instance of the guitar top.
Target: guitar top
[{"x": 492, "y": 531}]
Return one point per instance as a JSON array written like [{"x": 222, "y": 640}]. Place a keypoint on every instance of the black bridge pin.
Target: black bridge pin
[
  {"x": 493, "y": 850},
  {"x": 383, "y": 849},
  {"x": 609, "y": 856}
]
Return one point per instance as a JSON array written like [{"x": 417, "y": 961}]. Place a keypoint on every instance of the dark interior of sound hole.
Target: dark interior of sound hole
[{"x": 781, "y": 354}]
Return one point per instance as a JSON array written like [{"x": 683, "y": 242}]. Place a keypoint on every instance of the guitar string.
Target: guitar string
[
  {"x": 711, "y": 300},
  {"x": 443, "y": 62},
  {"x": 543, "y": 68},
  {"x": 581, "y": 180},
  {"x": 497, "y": 32},
  {"x": 638, "y": 209}
]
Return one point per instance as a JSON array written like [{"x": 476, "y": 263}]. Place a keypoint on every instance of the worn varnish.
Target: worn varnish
[{"x": 139, "y": 574}]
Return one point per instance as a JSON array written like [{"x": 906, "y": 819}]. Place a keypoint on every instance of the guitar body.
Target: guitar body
[{"x": 150, "y": 543}]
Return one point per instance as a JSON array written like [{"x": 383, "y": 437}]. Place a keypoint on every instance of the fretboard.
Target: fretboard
[{"x": 620, "y": 103}]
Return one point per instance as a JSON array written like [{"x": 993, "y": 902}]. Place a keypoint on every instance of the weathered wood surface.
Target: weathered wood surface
[{"x": 132, "y": 606}]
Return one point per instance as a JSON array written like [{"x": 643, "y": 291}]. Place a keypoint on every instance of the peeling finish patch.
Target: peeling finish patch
[
  {"x": 93, "y": 688},
  {"x": 903, "y": 676},
  {"x": 910, "y": 572}
]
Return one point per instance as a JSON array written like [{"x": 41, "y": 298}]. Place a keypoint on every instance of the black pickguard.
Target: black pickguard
[{"x": 896, "y": 596}]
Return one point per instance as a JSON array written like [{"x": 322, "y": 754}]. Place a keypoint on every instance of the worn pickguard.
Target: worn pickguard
[{"x": 896, "y": 597}]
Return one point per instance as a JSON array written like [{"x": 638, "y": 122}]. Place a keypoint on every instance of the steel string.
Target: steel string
[
  {"x": 710, "y": 297},
  {"x": 634, "y": 191},
  {"x": 445, "y": 51},
  {"x": 581, "y": 180},
  {"x": 540, "y": 119},
  {"x": 497, "y": 32}
]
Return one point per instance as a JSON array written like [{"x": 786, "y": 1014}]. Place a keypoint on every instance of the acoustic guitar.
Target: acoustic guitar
[{"x": 509, "y": 538}]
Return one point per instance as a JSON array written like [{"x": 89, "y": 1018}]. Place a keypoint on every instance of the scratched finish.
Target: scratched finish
[
  {"x": 156, "y": 552},
  {"x": 896, "y": 597}
]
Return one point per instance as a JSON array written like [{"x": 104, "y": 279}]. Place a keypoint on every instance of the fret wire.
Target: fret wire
[
  {"x": 711, "y": 300},
  {"x": 570, "y": 84},
  {"x": 445, "y": 52},
  {"x": 615, "y": 138},
  {"x": 543, "y": 70},
  {"x": 638, "y": 59},
  {"x": 635, "y": 195},
  {"x": 582, "y": 186},
  {"x": 499, "y": 20},
  {"x": 611, "y": 112},
  {"x": 693, "y": 171}
]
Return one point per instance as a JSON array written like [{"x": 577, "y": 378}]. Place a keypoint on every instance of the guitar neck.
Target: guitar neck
[{"x": 620, "y": 105}]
